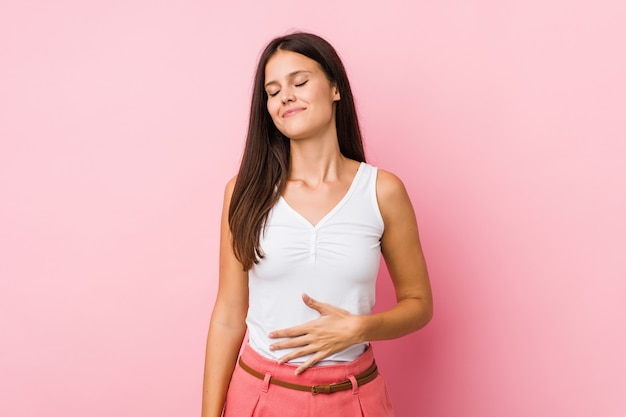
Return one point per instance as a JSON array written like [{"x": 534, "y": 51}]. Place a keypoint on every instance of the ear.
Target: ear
[{"x": 336, "y": 95}]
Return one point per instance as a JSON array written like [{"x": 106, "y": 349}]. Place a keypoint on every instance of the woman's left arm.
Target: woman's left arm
[{"x": 405, "y": 261}]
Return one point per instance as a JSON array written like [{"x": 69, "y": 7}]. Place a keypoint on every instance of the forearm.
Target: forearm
[
  {"x": 223, "y": 345},
  {"x": 407, "y": 316}
]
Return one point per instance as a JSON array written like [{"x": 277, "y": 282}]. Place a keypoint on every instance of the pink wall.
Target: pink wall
[{"x": 120, "y": 122}]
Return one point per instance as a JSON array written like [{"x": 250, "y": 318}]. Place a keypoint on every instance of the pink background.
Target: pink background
[{"x": 120, "y": 122}]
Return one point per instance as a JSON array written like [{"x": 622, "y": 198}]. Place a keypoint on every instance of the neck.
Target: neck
[{"x": 316, "y": 160}]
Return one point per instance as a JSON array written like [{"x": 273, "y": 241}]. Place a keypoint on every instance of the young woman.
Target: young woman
[{"x": 303, "y": 226}]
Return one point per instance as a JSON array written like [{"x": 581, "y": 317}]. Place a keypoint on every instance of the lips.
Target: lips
[{"x": 292, "y": 111}]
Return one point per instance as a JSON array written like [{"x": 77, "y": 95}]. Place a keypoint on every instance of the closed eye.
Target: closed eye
[{"x": 275, "y": 93}]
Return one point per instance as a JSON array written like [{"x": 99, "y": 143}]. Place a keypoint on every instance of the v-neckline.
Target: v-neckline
[{"x": 333, "y": 210}]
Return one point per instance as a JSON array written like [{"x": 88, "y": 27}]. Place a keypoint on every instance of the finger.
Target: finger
[
  {"x": 305, "y": 350},
  {"x": 307, "y": 364},
  {"x": 320, "y": 307},
  {"x": 291, "y": 343},
  {"x": 288, "y": 332}
]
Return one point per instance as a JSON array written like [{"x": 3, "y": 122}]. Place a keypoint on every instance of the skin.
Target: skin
[{"x": 301, "y": 102}]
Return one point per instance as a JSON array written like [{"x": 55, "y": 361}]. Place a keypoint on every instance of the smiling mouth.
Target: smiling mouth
[{"x": 291, "y": 112}]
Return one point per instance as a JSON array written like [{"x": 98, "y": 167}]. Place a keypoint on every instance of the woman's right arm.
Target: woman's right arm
[{"x": 227, "y": 328}]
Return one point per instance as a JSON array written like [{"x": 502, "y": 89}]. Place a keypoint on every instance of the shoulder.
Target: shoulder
[
  {"x": 230, "y": 187},
  {"x": 228, "y": 191},
  {"x": 392, "y": 195},
  {"x": 389, "y": 185}
]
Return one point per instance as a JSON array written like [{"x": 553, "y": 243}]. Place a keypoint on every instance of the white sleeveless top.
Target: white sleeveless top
[{"x": 335, "y": 262}]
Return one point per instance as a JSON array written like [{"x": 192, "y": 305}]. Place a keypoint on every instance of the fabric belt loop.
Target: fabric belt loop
[
  {"x": 266, "y": 382},
  {"x": 355, "y": 385}
]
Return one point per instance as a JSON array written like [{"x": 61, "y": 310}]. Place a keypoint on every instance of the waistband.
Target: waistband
[{"x": 315, "y": 375}]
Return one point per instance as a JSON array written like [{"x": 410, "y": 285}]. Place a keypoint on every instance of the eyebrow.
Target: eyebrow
[{"x": 290, "y": 75}]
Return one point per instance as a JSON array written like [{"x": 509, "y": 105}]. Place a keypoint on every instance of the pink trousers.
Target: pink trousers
[{"x": 249, "y": 396}]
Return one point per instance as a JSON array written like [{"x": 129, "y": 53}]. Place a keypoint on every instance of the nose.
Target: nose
[{"x": 286, "y": 96}]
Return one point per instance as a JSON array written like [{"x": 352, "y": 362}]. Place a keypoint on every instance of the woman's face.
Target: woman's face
[{"x": 300, "y": 99}]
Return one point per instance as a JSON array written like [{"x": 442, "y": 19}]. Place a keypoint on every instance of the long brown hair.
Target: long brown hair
[{"x": 266, "y": 156}]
